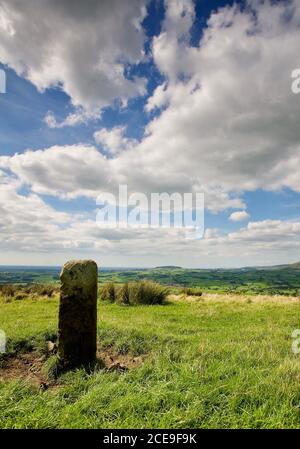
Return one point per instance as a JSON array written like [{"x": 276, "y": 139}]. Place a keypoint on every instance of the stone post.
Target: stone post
[{"x": 77, "y": 327}]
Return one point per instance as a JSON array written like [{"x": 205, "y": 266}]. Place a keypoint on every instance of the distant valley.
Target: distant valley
[{"x": 279, "y": 279}]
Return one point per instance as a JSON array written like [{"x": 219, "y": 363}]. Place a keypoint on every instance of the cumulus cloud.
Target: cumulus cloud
[
  {"x": 75, "y": 118},
  {"x": 66, "y": 172},
  {"x": 266, "y": 234},
  {"x": 81, "y": 47},
  {"x": 259, "y": 243},
  {"x": 26, "y": 221},
  {"x": 74, "y": 171},
  {"x": 30, "y": 226},
  {"x": 239, "y": 216},
  {"x": 113, "y": 140},
  {"x": 225, "y": 129},
  {"x": 171, "y": 45},
  {"x": 231, "y": 119}
]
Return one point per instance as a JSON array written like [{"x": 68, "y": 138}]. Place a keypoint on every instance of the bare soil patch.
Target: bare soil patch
[
  {"x": 113, "y": 361},
  {"x": 29, "y": 366}
]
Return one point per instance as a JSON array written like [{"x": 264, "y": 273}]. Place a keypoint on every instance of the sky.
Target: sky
[{"x": 162, "y": 96}]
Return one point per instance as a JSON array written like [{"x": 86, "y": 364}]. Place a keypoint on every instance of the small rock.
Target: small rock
[{"x": 50, "y": 346}]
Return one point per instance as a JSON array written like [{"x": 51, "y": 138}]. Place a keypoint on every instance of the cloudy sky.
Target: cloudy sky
[{"x": 164, "y": 96}]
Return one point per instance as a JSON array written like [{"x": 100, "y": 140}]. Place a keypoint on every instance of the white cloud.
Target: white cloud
[
  {"x": 231, "y": 119},
  {"x": 32, "y": 229},
  {"x": 264, "y": 235},
  {"x": 225, "y": 129},
  {"x": 81, "y": 170},
  {"x": 73, "y": 119},
  {"x": 69, "y": 171},
  {"x": 30, "y": 226},
  {"x": 239, "y": 216},
  {"x": 26, "y": 221},
  {"x": 263, "y": 242},
  {"x": 159, "y": 98},
  {"x": 113, "y": 140},
  {"x": 81, "y": 47}
]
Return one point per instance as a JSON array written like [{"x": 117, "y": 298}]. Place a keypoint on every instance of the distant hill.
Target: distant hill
[
  {"x": 256, "y": 280},
  {"x": 169, "y": 267},
  {"x": 295, "y": 266}
]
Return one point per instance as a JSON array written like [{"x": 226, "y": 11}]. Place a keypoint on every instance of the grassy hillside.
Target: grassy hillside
[
  {"x": 243, "y": 281},
  {"x": 214, "y": 361},
  {"x": 284, "y": 280}
]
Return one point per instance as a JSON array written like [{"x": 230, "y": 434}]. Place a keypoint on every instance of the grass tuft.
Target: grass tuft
[
  {"x": 191, "y": 291},
  {"x": 134, "y": 293},
  {"x": 147, "y": 293},
  {"x": 108, "y": 292}
]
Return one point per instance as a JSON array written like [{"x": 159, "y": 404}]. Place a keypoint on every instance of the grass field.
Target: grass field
[{"x": 211, "y": 362}]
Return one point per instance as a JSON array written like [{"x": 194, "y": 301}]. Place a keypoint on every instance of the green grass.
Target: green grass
[{"x": 212, "y": 363}]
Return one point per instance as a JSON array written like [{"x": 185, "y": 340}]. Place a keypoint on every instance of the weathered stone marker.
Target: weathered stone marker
[{"x": 77, "y": 326}]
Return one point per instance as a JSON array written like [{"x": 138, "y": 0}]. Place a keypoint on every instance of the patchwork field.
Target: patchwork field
[
  {"x": 216, "y": 361},
  {"x": 281, "y": 280}
]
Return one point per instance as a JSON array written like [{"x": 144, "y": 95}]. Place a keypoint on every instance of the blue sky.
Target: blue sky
[{"x": 164, "y": 96}]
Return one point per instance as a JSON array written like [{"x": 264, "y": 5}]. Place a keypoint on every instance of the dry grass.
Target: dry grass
[{"x": 221, "y": 297}]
